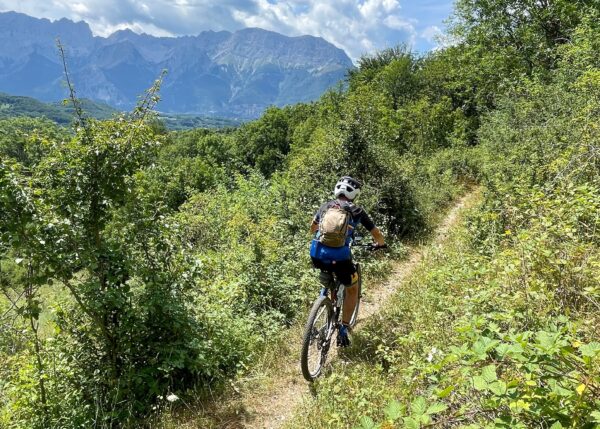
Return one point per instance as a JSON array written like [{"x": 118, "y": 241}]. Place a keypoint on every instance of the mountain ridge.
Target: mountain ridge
[
  {"x": 219, "y": 73},
  {"x": 12, "y": 106}
]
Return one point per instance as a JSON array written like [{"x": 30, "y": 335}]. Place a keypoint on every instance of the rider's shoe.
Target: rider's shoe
[{"x": 342, "y": 339}]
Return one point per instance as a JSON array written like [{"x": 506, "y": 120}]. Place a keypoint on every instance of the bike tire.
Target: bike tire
[
  {"x": 316, "y": 341},
  {"x": 354, "y": 316}
]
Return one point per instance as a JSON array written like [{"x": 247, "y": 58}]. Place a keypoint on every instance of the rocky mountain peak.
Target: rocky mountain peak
[{"x": 221, "y": 73}]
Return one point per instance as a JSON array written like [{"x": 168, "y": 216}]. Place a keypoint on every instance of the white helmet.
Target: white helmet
[{"x": 348, "y": 187}]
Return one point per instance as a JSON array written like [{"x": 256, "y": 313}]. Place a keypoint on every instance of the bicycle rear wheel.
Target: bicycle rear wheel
[
  {"x": 354, "y": 316},
  {"x": 317, "y": 338}
]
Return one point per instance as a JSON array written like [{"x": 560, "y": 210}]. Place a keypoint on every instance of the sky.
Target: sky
[{"x": 357, "y": 26}]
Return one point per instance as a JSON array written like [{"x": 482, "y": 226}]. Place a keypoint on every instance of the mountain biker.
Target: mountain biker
[{"x": 334, "y": 255}]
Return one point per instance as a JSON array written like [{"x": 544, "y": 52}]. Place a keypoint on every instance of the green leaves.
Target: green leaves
[
  {"x": 549, "y": 341},
  {"x": 418, "y": 406},
  {"x": 393, "y": 411},
  {"x": 498, "y": 388},
  {"x": 590, "y": 350},
  {"x": 445, "y": 392},
  {"x": 436, "y": 408},
  {"x": 422, "y": 412},
  {"x": 488, "y": 373},
  {"x": 479, "y": 383},
  {"x": 482, "y": 346},
  {"x": 488, "y": 381},
  {"x": 367, "y": 423}
]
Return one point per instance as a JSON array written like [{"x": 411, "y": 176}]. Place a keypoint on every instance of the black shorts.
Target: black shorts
[{"x": 342, "y": 269}]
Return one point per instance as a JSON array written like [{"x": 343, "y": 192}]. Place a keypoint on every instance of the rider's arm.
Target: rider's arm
[
  {"x": 375, "y": 232},
  {"x": 378, "y": 236}
]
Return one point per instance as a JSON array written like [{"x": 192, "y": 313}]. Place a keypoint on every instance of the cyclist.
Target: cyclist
[{"x": 334, "y": 224}]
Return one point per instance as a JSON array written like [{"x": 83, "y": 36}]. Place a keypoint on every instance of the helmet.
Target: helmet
[{"x": 348, "y": 187}]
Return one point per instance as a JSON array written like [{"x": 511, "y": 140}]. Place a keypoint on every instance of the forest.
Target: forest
[{"x": 138, "y": 263}]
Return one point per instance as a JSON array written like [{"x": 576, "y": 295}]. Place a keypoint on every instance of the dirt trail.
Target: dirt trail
[{"x": 268, "y": 404}]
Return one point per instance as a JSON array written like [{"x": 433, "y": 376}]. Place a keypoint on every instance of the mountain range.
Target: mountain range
[{"x": 230, "y": 74}]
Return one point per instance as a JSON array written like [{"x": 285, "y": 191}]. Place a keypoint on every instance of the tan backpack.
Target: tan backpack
[{"x": 334, "y": 226}]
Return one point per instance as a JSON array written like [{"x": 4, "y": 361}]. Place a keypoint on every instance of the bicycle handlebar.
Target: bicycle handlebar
[{"x": 370, "y": 246}]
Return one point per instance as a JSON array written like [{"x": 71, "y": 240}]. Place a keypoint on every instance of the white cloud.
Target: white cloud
[
  {"x": 357, "y": 26},
  {"x": 397, "y": 23},
  {"x": 431, "y": 33},
  {"x": 371, "y": 9},
  {"x": 80, "y": 8},
  {"x": 436, "y": 37},
  {"x": 105, "y": 29}
]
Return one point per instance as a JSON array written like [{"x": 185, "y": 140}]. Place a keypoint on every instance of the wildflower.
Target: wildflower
[
  {"x": 172, "y": 397},
  {"x": 431, "y": 354}
]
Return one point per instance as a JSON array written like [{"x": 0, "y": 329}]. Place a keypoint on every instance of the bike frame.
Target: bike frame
[{"x": 330, "y": 299}]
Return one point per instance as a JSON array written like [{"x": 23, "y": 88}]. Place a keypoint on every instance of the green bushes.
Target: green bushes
[
  {"x": 83, "y": 224},
  {"x": 177, "y": 257},
  {"x": 26, "y": 140},
  {"x": 502, "y": 337},
  {"x": 500, "y": 329},
  {"x": 173, "y": 270},
  {"x": 248, "y": 242}
]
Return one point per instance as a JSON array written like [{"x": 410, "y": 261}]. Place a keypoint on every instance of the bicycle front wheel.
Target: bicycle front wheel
[{"x": 317, "y": 338}]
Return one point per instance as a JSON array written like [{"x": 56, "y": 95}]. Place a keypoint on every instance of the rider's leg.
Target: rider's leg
[{"x": 350, "y": 299}]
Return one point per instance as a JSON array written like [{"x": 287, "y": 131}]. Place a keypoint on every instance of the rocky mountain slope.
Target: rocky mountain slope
[{"x": 214, "y": 73}]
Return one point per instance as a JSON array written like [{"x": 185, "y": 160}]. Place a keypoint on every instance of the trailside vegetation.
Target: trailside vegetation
[
  {"x": 500, "y": 328},
  {"x": 139, "y": 266}
]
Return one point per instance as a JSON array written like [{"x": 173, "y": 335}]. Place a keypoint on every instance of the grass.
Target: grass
[
  {"x": 273, "y": 382},
  {"x": 269, "y": 390},
  {"x": 470, "y": 340},
  {"x": 409, "y": 326}
]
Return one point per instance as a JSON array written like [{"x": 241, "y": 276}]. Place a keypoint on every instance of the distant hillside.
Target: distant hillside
[
  {"x": 214, "y": 73},
  {"x": 181, "y": 121},
  {"x": 14, "y": 105}
]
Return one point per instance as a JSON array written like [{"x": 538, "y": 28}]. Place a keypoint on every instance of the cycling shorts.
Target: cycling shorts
[{"x": 344, "y": 270}]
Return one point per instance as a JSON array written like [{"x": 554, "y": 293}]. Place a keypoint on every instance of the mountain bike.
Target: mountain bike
[{"x": 324, "y": 321}]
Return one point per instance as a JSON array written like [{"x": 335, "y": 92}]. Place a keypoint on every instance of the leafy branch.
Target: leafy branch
[{"x": 79, "y": 112}]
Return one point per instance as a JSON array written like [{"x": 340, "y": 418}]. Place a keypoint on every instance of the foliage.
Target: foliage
[
  {"x": 138, "y": 263},
  {"x": 85, "y": 219},
  {"x": 26, "y": 140},
  {"x": 502, "y": 41},
  {"x": 499, "y": 329}
]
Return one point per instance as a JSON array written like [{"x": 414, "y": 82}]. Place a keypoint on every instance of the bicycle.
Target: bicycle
[{"x": 324, "y": 320}]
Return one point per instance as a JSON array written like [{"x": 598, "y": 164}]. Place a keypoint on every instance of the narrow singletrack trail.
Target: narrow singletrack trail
[{"x": 269, "y": 403}]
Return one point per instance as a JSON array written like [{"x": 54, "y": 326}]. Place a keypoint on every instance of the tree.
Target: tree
[
  {"x": 265, "y": 142},
  {"x": 504, "y": 40}
]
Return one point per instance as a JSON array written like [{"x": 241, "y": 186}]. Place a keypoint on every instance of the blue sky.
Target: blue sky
[{"x": 357, "y": 26}]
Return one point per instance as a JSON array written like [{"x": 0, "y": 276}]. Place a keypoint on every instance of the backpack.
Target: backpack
[{"x": 334, "y": 226}]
